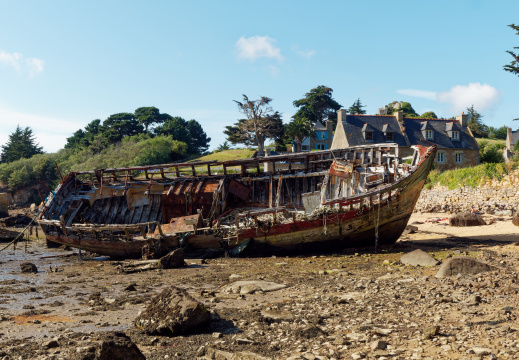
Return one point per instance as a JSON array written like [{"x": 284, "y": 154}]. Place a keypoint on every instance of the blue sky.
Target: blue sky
[{"x": 65, "y": 63}]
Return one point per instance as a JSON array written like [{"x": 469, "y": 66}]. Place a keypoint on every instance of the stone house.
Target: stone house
[
  {"x": 323, "y": 139},
  {"x": 457, "y": 146},
  {"x": 511, "y": 139}
]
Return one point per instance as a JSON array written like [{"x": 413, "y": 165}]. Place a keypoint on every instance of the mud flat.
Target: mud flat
[{"x": 351, "y": 304}]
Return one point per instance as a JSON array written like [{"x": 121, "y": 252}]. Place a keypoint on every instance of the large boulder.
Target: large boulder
[
  {"x": 173, "y": 260},
  {"x": 463, "y": 265},
  {"x": 118, "y": 346},
  {"x": 466, "y": 219},
  {"x": 173, "y": 312},
  {"x": 515, "y": 220},
  {"x": 28, "y": 268},
  {"x": 418, "y": 258}
]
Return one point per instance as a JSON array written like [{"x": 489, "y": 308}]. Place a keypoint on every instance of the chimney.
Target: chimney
[
  {"x": 400, "y": 116},
  {"x": 463, "y": 119},
  {"x": 329, "y": 127},
  {"x": 341, "y": 115}
]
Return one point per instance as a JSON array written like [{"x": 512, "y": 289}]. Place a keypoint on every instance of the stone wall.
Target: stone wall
[{"x": 493, "y": 197}]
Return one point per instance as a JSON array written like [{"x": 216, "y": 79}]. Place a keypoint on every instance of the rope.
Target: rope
[{"x": 23, "y": 231}]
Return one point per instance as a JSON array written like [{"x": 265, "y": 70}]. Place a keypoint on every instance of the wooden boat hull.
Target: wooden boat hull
[{"x": 344, "y": 217}]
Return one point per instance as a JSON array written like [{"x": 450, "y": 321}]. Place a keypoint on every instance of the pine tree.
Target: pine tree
[
  {"x": 356, "y": 108},
  {"x": 21, "y": 144},
  {"x": 513, "y": 67},
  {"x": 475, "y": 124}
]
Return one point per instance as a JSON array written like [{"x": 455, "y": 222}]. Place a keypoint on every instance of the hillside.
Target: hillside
[{"x": 226, "y": 155}]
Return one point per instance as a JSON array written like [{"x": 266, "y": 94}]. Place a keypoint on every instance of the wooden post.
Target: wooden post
[
  {"x": 193, "y": 172},
  {"x": 208, "y": 169},
  {"x": 162, "y": 173},
  {"x": 63, "y": 227},
  {"x": 177, "y": 173}
]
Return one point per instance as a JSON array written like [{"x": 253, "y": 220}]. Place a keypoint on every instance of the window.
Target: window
[
  {"x": 440, "y": 157},
  {"x": 429, "y": 135},
  {"x": 389, "y": 136},
  {"x": 369, "y": 135},
  {"x": 305, "y": 148},
  {"x": 455, "y": 135},
  {"x": 459, "y": 158},
  {"x": 320, "y": 146}
]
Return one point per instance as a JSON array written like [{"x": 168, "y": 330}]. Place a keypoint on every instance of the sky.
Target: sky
[{"x": 66, "y": 63}]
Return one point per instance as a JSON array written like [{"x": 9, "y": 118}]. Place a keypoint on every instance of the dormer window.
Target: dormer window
[
  {"x": 367, "y": 131},
  {"x": 429, "y": 135},
  {"x": 455, "y": 135},
  {"x": 388, "y": 132},
  {"x": 427, "y": 130}
]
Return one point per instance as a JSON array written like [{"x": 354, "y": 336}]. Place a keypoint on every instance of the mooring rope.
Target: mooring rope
[{"x": 23, "y": 231}]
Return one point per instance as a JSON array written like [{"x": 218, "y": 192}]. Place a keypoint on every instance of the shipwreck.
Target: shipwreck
[{"x": 357, "y": 196}]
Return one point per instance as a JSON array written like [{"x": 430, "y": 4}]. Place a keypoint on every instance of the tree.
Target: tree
[
  {"x": 120, "y": 125},
  {"x": 148, "y": 116},
  {"x": 356, "y": 108},
  {"x": 475, "y": 124},
  {"x": 317, "y": 105},
  {"x": 429, "y": 115},
  {"x": 513, "y": 67},
  {"x": 404, "y": 106},
  {"x": 190, "y": 132},
  {"x": 224, "y": 146},
  {"x": 260, "y": 124},
  {"x": 21, "y": 144},
  {"x": 497, "y": 133},
  {"x": 199, "y": 140},
  {"x": 299, "y": 129}
]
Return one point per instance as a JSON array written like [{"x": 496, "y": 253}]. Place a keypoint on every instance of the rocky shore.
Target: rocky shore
[{"x": 349, "y": 305}]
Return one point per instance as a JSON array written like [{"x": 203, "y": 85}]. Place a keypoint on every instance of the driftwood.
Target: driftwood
[{"x": 174, "y": 259}]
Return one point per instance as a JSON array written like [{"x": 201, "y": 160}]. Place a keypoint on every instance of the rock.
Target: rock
[
  {"x": 117, "y": 346},
  {"x": 33, "y": 208},
  {"x": 351, "y": 296},
  {"x": 378, "y": 345},
  {"x": 339, "y": 340},
  {"x": 250, "y": 287},
  {"x": 130, "y": 287},
  {"x": 173, "y": 260},
  {"x": 418, "y": 258},
  {"x": 28, "y": 267},
  {"x": 410, "y": 229},
  {"x": 310, "y": 331},
  {"x": 277, "y": 315},
  {"x": 515, "y": 220},
  {"x": 173, "y": 312},
  {"x": 481, "y": 351},
  {"x": 462, "y": 265},
  {"x": 466, "y": 219},
  {"x": 50, "y": 344},
  {"x": 431, "y": 332},
  {"x": 211, "y": 353}
]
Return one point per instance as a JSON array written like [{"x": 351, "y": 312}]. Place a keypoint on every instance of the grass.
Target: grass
[
  {"x": 499, "y": 142},
  {"x": 227, "y": 155},
  {"x": 469, "y": 176}
]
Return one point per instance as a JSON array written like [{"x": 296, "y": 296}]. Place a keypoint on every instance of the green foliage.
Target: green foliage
[
  {"x": 298, "y": 129},
  {"x": 133, "y": 151},
  {"x": 21, "y": 144},
  {"x": 513, "y": 67},
  {"x": 406, "y": 107},
  {"x": 98, "y": 137},
  {"x": 475, "y": 124},
  {"x": 497, "y": 133},
  {"x": 429, "y": 115},
  {"x": 317, "y": 105},
  {"x": 490, "y": 152},
  {"x": 261, "y": 123},
  {"x": 469, "y": 176},
  {"x": 516, "y": 146},
  {"x": 224, "y": 146},
  {"x": 356, "y": 108}
]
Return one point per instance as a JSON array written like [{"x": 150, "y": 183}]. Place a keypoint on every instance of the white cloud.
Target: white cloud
[
  {"x": 303, "y": 53},
  {"x": 460, "y": 97},
  {"x": 20, "y": 63},
  {"x": 50, "y": 133},
  {"x": 256, "y": 47},
  {"x": 431, "y": 95}
]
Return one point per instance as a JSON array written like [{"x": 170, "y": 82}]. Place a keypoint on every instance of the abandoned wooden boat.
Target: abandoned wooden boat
[{"x": 358, "y": 196}]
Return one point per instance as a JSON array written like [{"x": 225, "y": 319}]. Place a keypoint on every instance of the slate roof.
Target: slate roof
[
  {"x": 413, "y": 127},
  {"x": 514, "y": 137},
  {"x": 319, "y": 126},
  {"x": 355, "y": 123}
]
